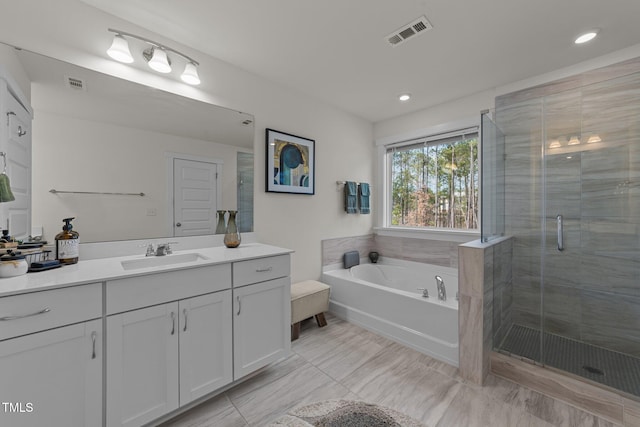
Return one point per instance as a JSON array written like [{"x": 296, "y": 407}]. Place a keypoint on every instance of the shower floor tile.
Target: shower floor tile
[{"x": 598, "y": 364}]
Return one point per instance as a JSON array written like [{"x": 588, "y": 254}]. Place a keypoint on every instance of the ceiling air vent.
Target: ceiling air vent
[
  {"x": 401, "y": 35},
  {"x": 75, "y": 83}
]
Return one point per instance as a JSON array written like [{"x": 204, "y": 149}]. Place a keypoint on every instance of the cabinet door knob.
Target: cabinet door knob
[
  {"x": 178, "y": 224},
  {"x": 239, "y": 305},
  {"x": 185, "y": 319},
  {"x": 173, "y": 323}
]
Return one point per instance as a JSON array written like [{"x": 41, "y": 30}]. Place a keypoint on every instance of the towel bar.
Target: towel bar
[
  {"x": 54, "y": 191},
  {"x": 344, "y": 182}
]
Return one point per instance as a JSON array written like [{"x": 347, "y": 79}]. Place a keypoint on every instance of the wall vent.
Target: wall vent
[
  {"x": 75, "y": 83},
  {"x": 419, "y": 26}
]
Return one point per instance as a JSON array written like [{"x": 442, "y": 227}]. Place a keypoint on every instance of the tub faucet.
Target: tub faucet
[
  {"x": 425, "y": 292},
  {"x": 442, "y": 292}
]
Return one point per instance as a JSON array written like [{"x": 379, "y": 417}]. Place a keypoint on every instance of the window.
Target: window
[{"x": 433, "y": 182}]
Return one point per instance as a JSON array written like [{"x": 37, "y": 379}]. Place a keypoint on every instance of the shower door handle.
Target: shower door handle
[{"x": 560, "y": 237}]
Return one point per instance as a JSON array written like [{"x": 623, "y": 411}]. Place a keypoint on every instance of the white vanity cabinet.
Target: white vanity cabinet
[
  {"x": 205, "y": 345},
  {"x": 163, "y": 356},
  {"x": 142, "y": 360},
  {"x": 139, "y": 347},
  {"x": 262, "y": 313},
  {"x": 51, "y": 358}
]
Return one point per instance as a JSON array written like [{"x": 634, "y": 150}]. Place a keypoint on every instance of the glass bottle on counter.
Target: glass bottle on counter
[
  {"x": 67, "y": 244},
  {"x": 232, "y": 235}
]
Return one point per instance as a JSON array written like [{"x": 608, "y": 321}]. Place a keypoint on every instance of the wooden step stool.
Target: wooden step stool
[{"x": 308, "y": 298}]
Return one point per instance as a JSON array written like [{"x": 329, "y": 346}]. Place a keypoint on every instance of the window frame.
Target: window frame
[{"x": 386, "y": 200}]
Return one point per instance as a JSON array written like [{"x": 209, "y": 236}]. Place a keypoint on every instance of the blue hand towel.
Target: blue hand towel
[
  {"x": 350, "y": 197},
  {"x": 365, "y": 193}
]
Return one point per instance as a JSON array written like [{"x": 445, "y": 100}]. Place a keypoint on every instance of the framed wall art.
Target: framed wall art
[{"x": 290, "y": 163}]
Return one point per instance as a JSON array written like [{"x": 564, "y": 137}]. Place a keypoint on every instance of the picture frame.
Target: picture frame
[{"x": 290, "y": 163}]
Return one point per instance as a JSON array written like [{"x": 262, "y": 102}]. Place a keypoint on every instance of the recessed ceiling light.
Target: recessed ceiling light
[
  {"x": 404, "y": 97},
  {"x": 583, "y": 38}
]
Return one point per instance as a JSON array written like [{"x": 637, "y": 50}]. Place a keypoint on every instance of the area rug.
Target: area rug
[{"x": 344, "y": 413}]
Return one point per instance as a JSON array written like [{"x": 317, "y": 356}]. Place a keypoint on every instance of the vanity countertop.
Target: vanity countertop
[{"x": 103, "y": 269}]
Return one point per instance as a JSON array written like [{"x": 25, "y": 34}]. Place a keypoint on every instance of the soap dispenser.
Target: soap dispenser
[{"x": 67, "y": 243}]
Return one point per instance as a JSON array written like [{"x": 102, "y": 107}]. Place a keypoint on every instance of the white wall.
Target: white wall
[
  {"x": 12, "y": 66},
  {"x": 448, "y": 114},
  {"x": 72, "y": 31},
  {"x": 443, "y": 117},
  {"x": 73, "y": 154}
]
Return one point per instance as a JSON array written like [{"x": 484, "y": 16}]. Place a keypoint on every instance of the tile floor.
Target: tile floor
[{"x": 344, "y": 361}]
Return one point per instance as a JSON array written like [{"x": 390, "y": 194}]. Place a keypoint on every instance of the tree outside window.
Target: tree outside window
[{"x": 435, "y": 184}]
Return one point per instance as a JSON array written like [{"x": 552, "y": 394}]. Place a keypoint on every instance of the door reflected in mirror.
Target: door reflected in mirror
[{"x": 100, "y": 134}]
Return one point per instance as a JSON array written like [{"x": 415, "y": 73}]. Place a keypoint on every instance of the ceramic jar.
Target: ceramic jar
[{"x": 13, "y": 265}]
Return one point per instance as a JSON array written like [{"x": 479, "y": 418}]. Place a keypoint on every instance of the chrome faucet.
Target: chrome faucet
[
  {"x": 442, "y": 292},
  {"x": 425, "y": 292},
  {"x": 164, "y": 249},
  {"x": 161, "y": 250},
  {"x": 150, "y": 250}
]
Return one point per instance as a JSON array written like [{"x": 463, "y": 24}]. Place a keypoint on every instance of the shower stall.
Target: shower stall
[{"x": 561, "y": 175}]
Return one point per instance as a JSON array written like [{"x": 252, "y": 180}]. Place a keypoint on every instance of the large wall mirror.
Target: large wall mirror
[{"x": 95, "y": 134}]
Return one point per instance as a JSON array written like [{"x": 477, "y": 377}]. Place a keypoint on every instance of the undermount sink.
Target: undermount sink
[{"x": 160, "y": 261}]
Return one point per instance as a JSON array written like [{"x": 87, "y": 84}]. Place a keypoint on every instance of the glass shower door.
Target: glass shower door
[
  {"x": 590, "y": 307},
  {"x": 492, "y": 179},
  {"x": 561, "y": 225}
]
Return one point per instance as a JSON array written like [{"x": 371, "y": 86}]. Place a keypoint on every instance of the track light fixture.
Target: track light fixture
[
  {"x": 119, "y": 50},
  {"x": 157, "y": 59},
  {"x": 190, "y": 74},
  {"x": 155, "y": 55}
]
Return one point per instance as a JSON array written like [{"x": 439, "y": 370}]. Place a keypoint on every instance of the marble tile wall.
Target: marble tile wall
[
  {"x": 591, "y": 289},
  {"x": 471, "y": 320},
  {"x": 502, "y": 289},
  {"x": 426, "y": 251},
  {"x": 484, "y": 312},
  {"x": 334, "y": 249},
  {"x": 599, "y": 75}
]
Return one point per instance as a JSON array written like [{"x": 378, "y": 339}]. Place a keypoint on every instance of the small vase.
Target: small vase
[
  {"x": 373, "y": 256},
  {"x": 232, "y": 236},
  {"x": 221, "y": 228}
]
